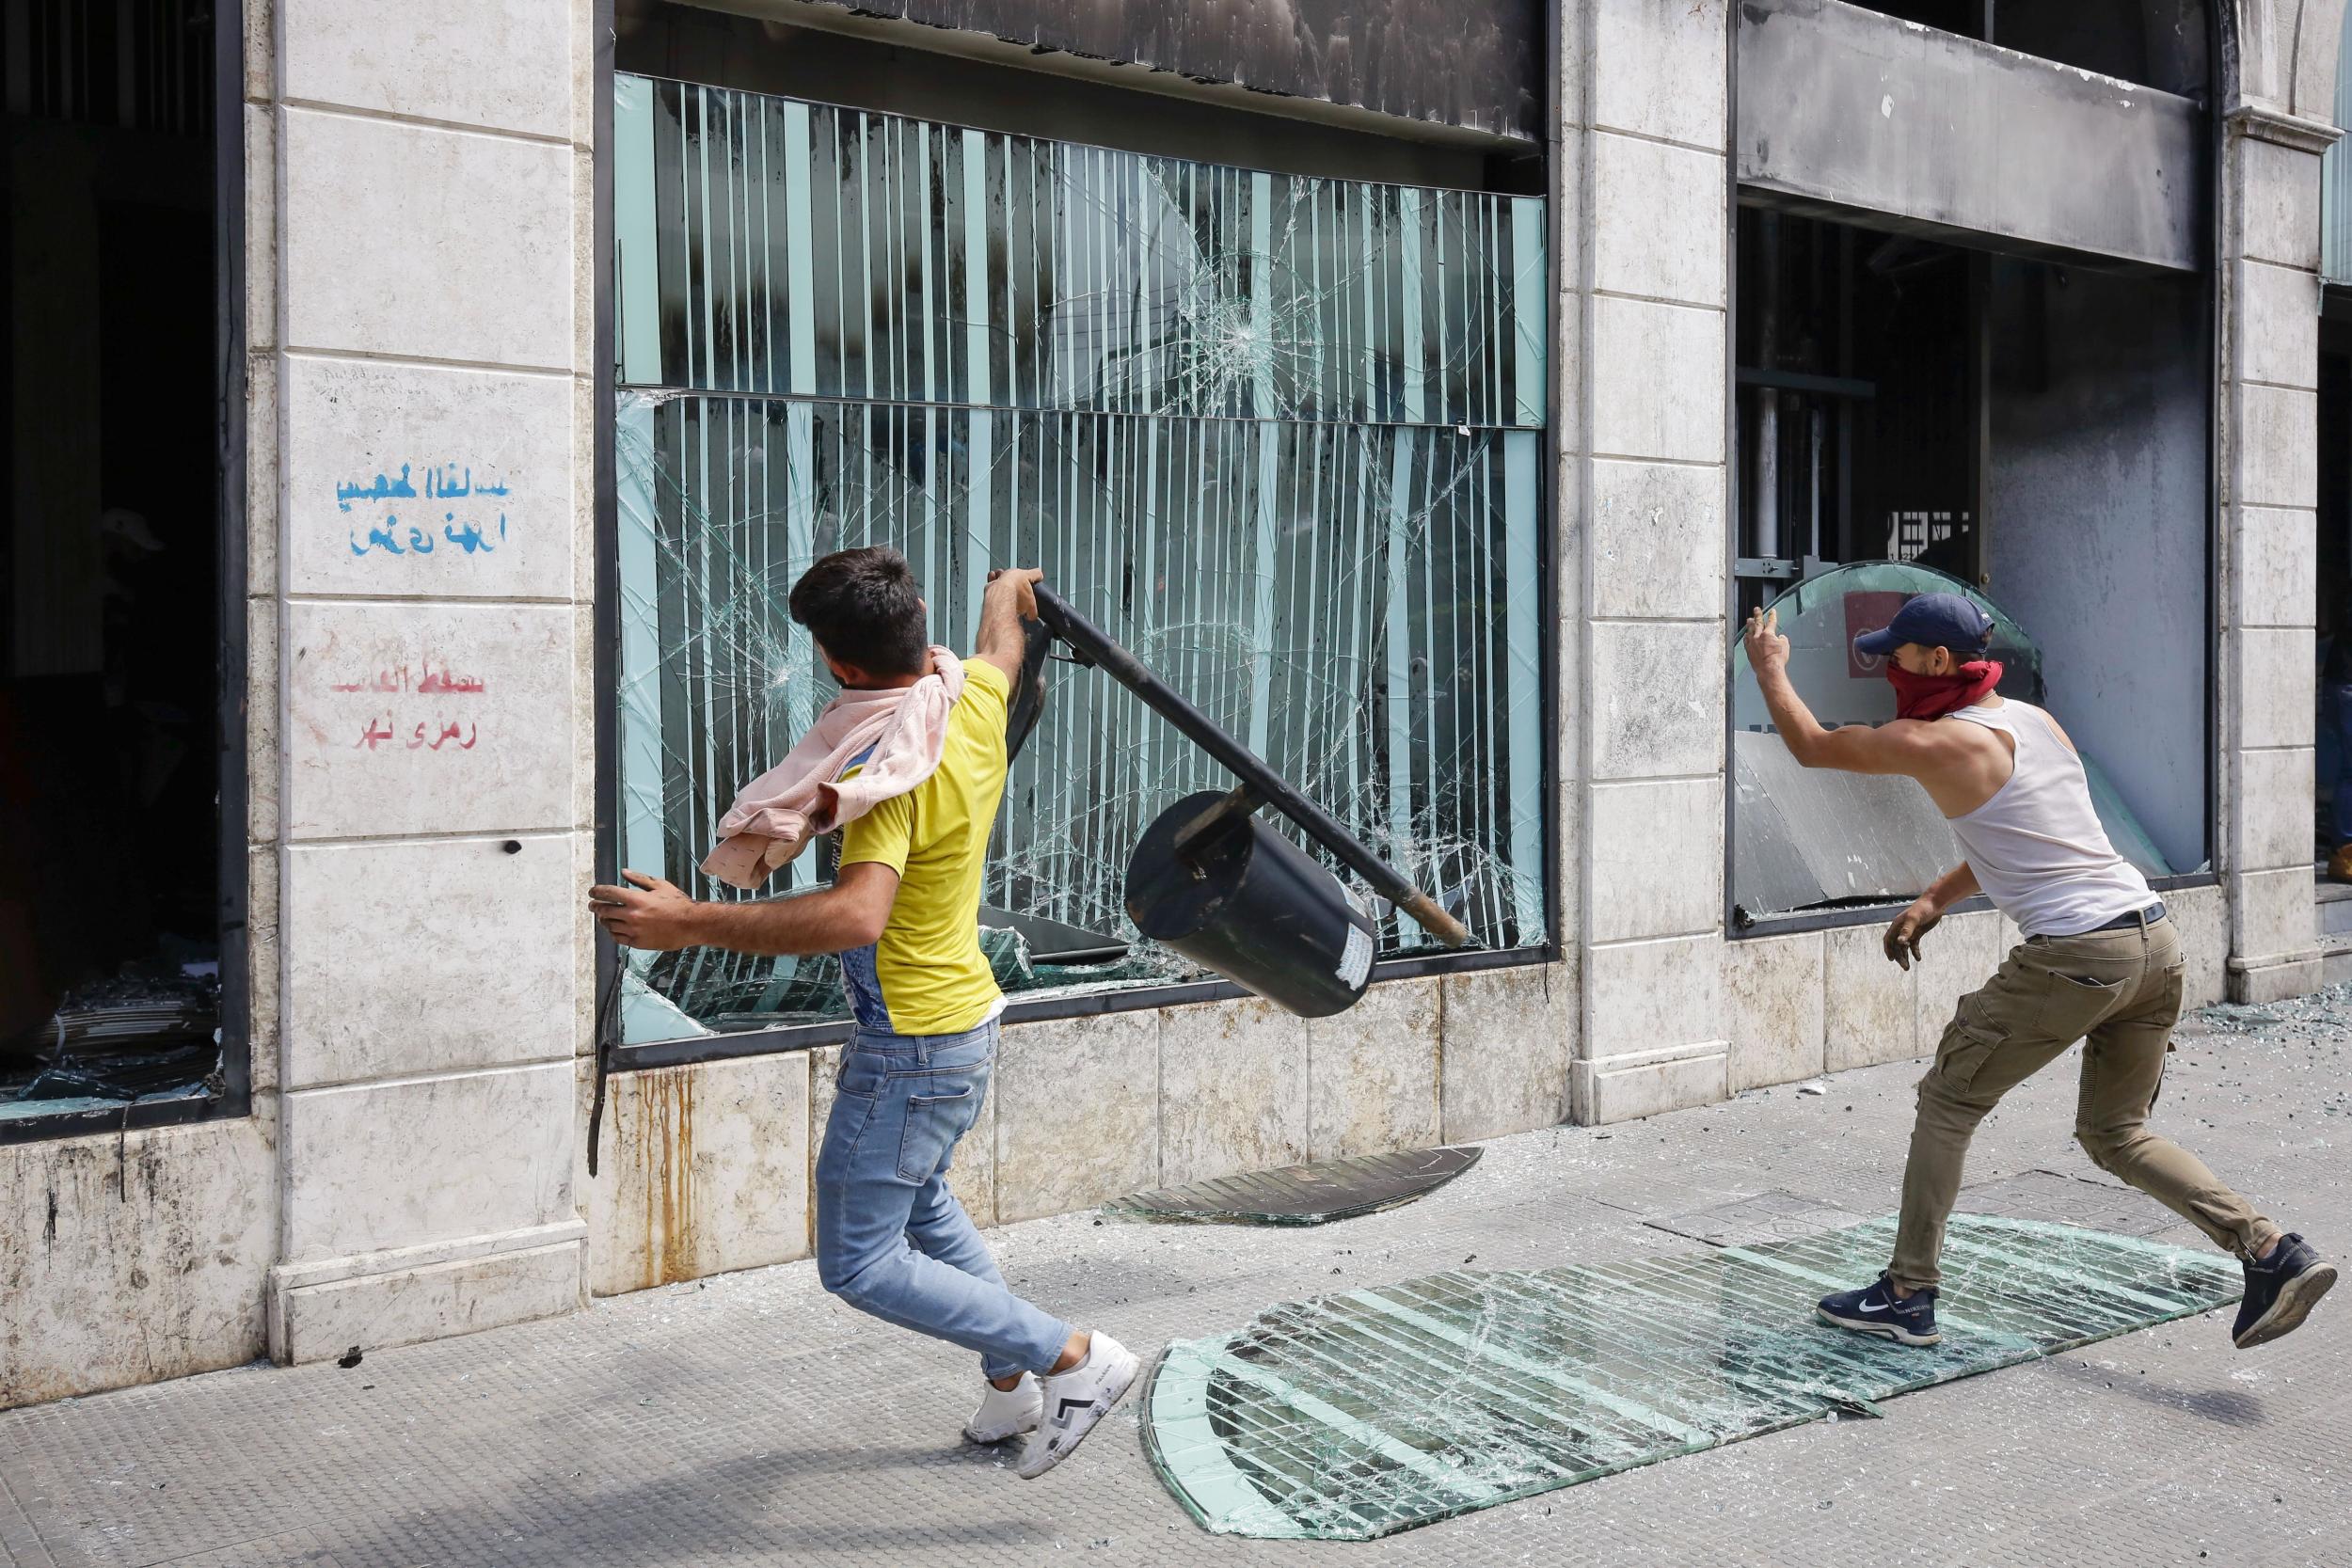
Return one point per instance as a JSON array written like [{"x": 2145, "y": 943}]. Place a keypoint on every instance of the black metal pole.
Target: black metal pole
[{"x": 1092, "y": 646}]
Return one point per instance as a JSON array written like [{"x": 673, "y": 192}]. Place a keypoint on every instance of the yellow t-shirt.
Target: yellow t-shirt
[{"x": 927, "y": 975}]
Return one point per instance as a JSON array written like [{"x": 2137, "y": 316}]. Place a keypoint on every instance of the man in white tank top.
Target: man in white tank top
[{"x": 2100, "y": 961}]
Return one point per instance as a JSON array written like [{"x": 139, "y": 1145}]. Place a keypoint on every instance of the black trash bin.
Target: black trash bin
[{"x": 1215, "y": 884}]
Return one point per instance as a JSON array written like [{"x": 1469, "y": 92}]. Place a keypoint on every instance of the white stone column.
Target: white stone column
[
  {"x": 1650, "y": 491},
  {"x": 2268, "y": 587},
  {"x": 430, "y": 359}
]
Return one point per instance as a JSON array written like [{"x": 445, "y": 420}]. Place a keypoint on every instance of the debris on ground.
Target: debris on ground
[{"x": 2323, "y": 1015}]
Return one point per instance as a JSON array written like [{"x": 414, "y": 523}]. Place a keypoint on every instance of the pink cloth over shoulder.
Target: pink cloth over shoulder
[{"x": 777, "y": 813}]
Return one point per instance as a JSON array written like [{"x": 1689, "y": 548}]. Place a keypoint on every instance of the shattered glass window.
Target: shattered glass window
[
  {"x": 1360, "y": 1413},
  {"x": 1813, "y": 839},
  {"x": 1279, "y": 436}
]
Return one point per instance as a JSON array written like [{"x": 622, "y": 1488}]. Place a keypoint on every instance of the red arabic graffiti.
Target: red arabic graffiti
[
  {"x": 381, "y": 732},
  {"x": 430, "y": 682}
]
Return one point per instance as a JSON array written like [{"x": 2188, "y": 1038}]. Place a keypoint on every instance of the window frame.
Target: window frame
[
  {"x": 234, "y": 784},
  {"x": 615, "y": 1055},
  {"x": 1801, "y": 921}
]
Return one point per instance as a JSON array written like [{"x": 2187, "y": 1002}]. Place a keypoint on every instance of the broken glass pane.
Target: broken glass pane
[
  {"x": 1804, "y": 839},
  {"x": 1823, "y": 615},
  {"x": 988, "y": 350},
  {"x": 766, "y": 245},
  {"x": 1349, "y": 599},
  {"x": 1357, "y": 1415},
  {"x": 141, "y": 1037},
  {"x": 1316, "y": 1193}
]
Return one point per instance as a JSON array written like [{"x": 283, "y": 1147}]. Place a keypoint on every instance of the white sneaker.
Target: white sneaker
[
  {"x": 1075, "y": 1400},
  {"x": 1007, "y": 1413}
]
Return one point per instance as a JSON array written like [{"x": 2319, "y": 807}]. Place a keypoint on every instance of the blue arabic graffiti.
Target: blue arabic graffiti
[{"x": 443, "y": 481}]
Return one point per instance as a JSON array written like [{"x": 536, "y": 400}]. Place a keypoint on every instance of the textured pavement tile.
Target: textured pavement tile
[{"x": 752, "y": 1420}]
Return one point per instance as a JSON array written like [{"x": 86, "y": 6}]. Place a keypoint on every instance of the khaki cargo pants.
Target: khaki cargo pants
[{"x": 2120, "y": 990}]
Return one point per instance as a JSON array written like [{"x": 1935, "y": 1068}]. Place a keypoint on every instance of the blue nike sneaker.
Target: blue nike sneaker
[
  {"x": 2280, "y": 1291},
  {"x": 1876, "y": 1309}
]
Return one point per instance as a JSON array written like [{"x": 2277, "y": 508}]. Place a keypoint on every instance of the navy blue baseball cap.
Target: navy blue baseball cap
[{"x": 1933, "y": 620}]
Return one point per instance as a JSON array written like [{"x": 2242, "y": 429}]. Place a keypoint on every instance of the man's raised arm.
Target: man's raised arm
[
  {"x": 1010, "y": 599},
  {"x": 1896, "y": 748}
]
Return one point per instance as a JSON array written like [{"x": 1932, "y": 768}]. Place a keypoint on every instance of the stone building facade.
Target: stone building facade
[{"x": 425, "y": 298}]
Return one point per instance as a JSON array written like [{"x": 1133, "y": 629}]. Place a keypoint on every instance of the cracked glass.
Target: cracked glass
[
  {"x": 1822, "y": 839},
  {"x": 1279, "y": 436},
  {"x": 1360, "y": 1413},
  {"x": 1320, "y": 1193}
]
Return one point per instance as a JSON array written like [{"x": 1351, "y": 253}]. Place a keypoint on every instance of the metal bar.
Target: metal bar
[
  {"x": 1764, "y": 531},
  {"x": 1092, "y": 646},
  {"x": 1842, "y": 546},
  {"x": 1980, "y": 419},
  {"x": 607, "y": 610},
  {"x": 788, "y": 1038},
  {"x": 235, "y": 894},
  {"x": 1799, "y": 381}
]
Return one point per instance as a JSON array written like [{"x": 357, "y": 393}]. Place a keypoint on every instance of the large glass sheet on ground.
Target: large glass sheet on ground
[
  {"x": 1279, "y": 436},
  {"x": 1357, "y": 1415}
]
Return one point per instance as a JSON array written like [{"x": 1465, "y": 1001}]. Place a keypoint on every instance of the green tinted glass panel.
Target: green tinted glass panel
[
  {"x": 1357, "y": 1415},
  {"x": 766, "y": 245},
  {"x": 1354, "y": 601}
]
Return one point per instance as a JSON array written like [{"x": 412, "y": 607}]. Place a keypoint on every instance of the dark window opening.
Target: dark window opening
[
  {"x": 2332, "y": 813},
  {"x": 2033, "y": 433},
  {"x": 1856, "y": 386},
  {"x": 2157, "y": 44},
  {"x": 111, "y": 575}
]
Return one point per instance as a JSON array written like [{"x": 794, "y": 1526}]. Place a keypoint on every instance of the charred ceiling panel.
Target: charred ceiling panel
[
  {"x": 1477, "y": 64},
  {"x": 1878, "y": 122}
]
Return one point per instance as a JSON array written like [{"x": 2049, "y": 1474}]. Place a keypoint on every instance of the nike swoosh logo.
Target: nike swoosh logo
[{"x": 1866, "y": 1306}]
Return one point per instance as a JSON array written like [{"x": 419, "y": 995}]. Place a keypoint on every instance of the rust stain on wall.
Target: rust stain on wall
[{"x": 665, "y": 1158}]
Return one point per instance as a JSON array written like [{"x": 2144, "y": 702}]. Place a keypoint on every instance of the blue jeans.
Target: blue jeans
[{"x": 891, "y": 1239}]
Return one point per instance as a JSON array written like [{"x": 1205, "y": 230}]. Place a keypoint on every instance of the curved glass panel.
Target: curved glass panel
[
  {"x": 1823, "y": 615},
  {"x": 1809, "y": 839}
]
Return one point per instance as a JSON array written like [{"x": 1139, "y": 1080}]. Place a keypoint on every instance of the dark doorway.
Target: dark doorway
[
  {"x": 2332, "y": 815},
  {"x": 1860, "y": 360},
  {"x": 111, "y": 571},
  {"x": 2038, "y": 433}
]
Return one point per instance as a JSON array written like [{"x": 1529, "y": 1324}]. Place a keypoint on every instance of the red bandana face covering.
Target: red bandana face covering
[{"x": 1933, "y": 696}]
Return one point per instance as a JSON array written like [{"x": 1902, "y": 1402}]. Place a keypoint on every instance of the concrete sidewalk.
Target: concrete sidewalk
[{"x": 750, "y": 1419}]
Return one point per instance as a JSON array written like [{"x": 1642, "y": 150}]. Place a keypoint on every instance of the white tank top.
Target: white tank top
[{"x": 2036, "y": 846}]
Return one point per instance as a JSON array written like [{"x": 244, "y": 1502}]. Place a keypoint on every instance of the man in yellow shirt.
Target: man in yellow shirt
[{"x": 903, "y": 913}]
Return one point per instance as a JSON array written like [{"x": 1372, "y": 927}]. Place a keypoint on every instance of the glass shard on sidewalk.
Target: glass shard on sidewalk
[
  {"x": 1372, "y": 1411},
  {"x": 1316, "y": 1193}
]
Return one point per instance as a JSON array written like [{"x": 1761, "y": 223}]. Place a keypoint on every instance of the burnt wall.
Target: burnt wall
[{"x": 1472, "y": 63}]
